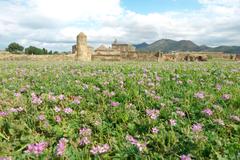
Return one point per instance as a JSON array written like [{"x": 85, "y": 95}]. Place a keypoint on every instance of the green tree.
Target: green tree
[
  {"x": 15, "y": 48},
  {"x": 34, "y": 50}
]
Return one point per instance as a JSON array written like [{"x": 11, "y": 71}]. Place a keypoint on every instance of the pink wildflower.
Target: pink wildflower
[
  {"x": 199, "y": 95},
  {"x": 5, "y": 158},
  {"x": 172, "y": 122},
  {"x": 37, "y": 148},
  {"x": 57, "y": 109},
  {"x": 3, "y": 114},
  {"x": 226, "y": 97},
  {"x": 41, "y": 117},
  {"x": 207, "y": 112},
  {"x": 185, "y": 157},
  {"x": 180, "y": 113},
  {"x": 61, "y": 146},
  {"x": 85, "y": 132},
  {"x": 218, "y": 87},
  {"x": 58, "y": 119},
  {"x": 84, "y": 141},
  {"x": 152, "y": 113},
  {"x": 197, "y": 127},
  {"x": 68, "y": 110},
  {"x": 115, "y": 104},
  {"x": 52, "y": 98},
  {"x": 155, "y": 130},
  {"x": 61, "y": 97},
  {"x": 76, "y": 101},
  {"x": 141, "y": 146},
  {"x": 13, "y": 110},
  {"x": 100, "y": 149},
  {"x": 35, "y": 99},
  {"x": 17, "y": 94},
  {"x": 131, "y": 139}
]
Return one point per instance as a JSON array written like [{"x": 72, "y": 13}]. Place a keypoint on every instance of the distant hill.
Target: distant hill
[
  {"x": 168, "y": 45},
  {"x": 141, "y": 46}
]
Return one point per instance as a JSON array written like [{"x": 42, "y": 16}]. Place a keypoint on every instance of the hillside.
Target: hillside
[{"x": 168, "y": 45}]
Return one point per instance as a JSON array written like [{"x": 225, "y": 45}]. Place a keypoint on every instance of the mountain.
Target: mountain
[
  {"x": 141, "y": 46},
  {"x": 168, "y": 45}
]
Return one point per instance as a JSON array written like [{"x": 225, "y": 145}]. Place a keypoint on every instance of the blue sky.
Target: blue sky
[
  {"x": 42, "y": 23},
  {"x": 151, "y": 6}
]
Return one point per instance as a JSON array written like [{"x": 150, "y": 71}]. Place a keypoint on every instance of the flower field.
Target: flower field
[{"x": 129, "y": 110}]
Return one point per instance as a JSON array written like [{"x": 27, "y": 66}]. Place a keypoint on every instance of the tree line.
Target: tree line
[{"x": 18, "y": 49}]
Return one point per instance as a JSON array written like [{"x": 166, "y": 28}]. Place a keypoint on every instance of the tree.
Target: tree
[
  {"x": 15, "y": 48},
  {"x": 34, "y": 50}
]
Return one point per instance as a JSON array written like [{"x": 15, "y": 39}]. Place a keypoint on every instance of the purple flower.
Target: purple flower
[
  {"x": 218, "y": 87},
  {"x": 85, "y": 132},
  {"x": 152, "y": 113},
  {"x": 15, "y": 110},
  {"x": 131, "y": 139},
  {"x": 5, "y": 158},
  {"x": 109, "y": 94},
  {"x": 155, "y": 130},
  {"x": 141, "y": 146},
  {"x": 61, "y": 146},
  {"x": 76, "y": 101},
  {"x": 185, "y": 157},
  {"x": 172, "y": 122},
  {"x": 35, "y": 99},
  {"x": 197, "y": 127},
  {"x": 84, "y": 141},
  {"x": 68, "y": 110},
  {"x": 158, "y": 78},
  {"x": 12, "y": 110},
  {"x": 61, "y": 97},
  {"x": 180, "y": 113},
  {"x": 3, "y": 114},
  {"x": 199, "y": 95},
  {"x": 41, "y": 117},
  {"x": 17, "y": 94},
  {"x": 52, "y": 98},
  {"x": 57, "y": 109},
  {"x": 115, "y": 104},
  {"x": 207, "y": 112},
  {"x": 226, "y": 97},
  {"x": 58, "y": 119},
  {"x": 37, "y": 148},
  {"x": 100, "y": 149}
]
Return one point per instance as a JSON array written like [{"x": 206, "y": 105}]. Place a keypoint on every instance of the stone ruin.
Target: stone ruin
[
  {"x": 123, "y": 51},
  {"x": 82, "y": 51}
]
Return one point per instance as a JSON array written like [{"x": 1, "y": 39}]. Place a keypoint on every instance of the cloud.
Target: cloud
[{"x": 54, "y": 24}]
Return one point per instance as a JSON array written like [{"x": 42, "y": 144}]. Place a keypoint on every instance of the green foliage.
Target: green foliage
[
  {"x": 15, "y": 48},
  {"x": 38, "y": 51}
]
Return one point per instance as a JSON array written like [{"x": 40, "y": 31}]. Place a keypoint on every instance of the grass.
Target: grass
[{"x": 169, "y": 88}]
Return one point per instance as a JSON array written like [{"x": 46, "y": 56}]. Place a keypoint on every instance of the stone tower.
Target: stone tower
[{"x": 83, "y": 52}]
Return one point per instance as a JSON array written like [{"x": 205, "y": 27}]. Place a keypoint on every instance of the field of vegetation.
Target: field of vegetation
[{"x": 69, "y": 110}]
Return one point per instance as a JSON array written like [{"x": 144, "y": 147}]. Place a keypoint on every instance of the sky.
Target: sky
[{"x": 54, "y": 24}]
